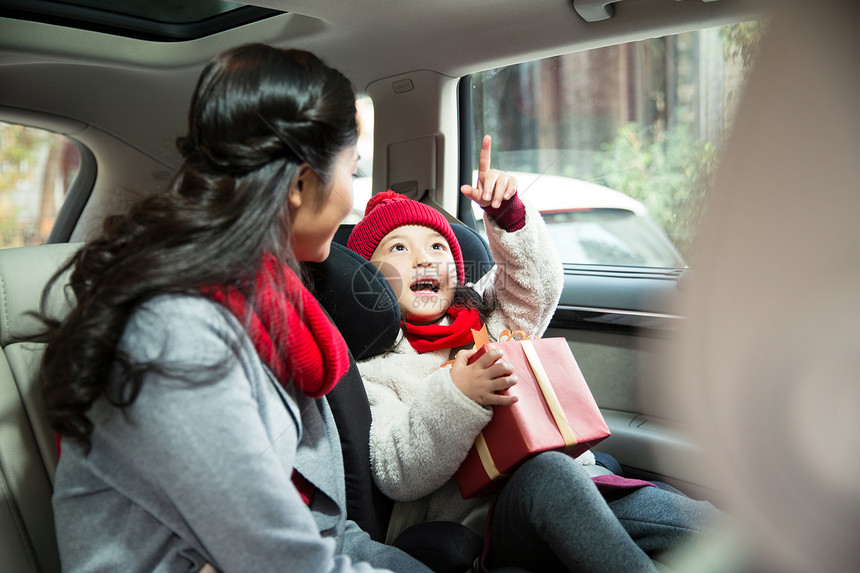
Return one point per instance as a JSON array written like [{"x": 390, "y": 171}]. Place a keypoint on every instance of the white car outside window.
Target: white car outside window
[{"x": 593, "y": 224}]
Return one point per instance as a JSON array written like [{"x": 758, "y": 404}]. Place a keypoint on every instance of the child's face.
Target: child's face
[{"x": 418, "y": 264}]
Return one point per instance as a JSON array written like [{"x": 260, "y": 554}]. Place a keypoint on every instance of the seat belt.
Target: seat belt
[{"x": 405, "y": 514}]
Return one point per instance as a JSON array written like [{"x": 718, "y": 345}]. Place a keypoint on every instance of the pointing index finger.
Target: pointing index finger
[{"x": 484, "y": 157}]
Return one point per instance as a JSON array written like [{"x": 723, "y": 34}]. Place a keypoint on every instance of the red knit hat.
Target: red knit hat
[{"x": 389, "y": 210}]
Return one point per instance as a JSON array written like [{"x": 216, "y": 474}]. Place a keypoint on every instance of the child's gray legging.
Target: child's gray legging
[{"x": 550, "y": 516}]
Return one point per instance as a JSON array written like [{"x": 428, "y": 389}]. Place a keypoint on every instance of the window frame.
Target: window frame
[{"x": 77, "y": 195}]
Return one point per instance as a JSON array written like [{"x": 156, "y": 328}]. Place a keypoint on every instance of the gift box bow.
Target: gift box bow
[{"x": 482, "y": 337}]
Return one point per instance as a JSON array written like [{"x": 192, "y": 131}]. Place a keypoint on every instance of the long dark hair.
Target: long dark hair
[
  {"x": 469, "y": 298},
  {"x": 257, "y": 115}
]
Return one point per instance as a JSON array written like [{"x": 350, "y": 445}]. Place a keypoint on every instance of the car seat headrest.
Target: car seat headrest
[
  {"x": 24, "y": 272},
  {"x": 358, "y": 299}
]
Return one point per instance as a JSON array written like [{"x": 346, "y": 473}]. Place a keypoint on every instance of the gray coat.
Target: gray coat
[{"x": 198, "y": 470}]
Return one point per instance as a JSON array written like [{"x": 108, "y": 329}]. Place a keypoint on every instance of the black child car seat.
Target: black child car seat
[{"x": 363, "y": 306}]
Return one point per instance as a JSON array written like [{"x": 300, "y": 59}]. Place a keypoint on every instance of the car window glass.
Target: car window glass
[
  {"x": 361, "y": 186},
  {"x": 36, "y": 169},
  {"x": 617, "y": 146}
]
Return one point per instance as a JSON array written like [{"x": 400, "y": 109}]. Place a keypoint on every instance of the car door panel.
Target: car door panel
[{"x": 620, "y": 324}]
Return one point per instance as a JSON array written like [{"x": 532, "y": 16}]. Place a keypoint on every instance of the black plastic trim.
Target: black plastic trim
[
  {"x": 466, "y": 136},
  {"x": 623, "y": 300},
  {"x": 76, "y": 198},
  {"x": 614, "y": 321},
  {"x": 96, "y": 20}
]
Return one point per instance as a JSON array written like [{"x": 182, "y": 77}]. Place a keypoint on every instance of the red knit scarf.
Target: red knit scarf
[
  {"x": 291, "y": 333},
  {"x": 429, "y": 337}
]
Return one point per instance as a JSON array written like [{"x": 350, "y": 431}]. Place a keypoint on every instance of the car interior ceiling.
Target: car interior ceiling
[{"x": 764, "y": 362}]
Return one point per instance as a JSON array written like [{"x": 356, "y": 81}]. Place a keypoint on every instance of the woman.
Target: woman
[{"x": 185, "y": 383}]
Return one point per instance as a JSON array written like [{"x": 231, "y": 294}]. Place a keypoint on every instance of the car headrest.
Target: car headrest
[
  {"x": 24, "y": 273},
  {"x": 360, "y": 300}
]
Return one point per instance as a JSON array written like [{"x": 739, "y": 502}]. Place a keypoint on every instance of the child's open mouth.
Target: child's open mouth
[{"x": 425, "y": 285}]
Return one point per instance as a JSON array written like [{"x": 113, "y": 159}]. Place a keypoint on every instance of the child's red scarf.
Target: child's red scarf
[
  {"x": 429, "y": 337},
  {"x": 292, "y": 335}
]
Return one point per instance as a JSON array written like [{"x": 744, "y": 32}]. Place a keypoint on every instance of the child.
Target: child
[{"x": 550, "y": 515}]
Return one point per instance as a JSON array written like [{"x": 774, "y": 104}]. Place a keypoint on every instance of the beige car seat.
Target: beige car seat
[{"x": 28, "y": 454}]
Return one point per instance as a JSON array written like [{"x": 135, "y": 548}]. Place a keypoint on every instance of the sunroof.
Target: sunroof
[{"x": 157, "y": 20}]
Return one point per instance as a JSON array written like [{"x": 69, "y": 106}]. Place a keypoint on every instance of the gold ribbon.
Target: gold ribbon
[
  {"x": 487, "y": 458},
  {"x": 548, "y": 393}
]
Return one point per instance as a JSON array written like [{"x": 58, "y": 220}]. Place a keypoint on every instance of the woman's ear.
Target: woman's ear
[{"x": 304, "y": 183}]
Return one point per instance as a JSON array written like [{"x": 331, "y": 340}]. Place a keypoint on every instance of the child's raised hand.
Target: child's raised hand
[
  {"x": 482, "y": 379},
  {"x": 493, "y": 186}
]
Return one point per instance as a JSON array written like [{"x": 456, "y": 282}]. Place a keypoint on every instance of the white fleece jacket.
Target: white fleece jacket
[{"x": 423, "y": 426}]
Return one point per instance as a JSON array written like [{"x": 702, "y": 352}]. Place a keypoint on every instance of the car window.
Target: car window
[
  {"x": 36, "y": 169},
  {"x": 617, "y": 146},
  {"x": 610, "y": 236},
  {"x": 361, "y": 186}
]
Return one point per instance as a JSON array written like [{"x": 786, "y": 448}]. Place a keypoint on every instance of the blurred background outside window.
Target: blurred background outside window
[
  {"x": 591, "y": 130},
  {"x": 36, "y": 170}
]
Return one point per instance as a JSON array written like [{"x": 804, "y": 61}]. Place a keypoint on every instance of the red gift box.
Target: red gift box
[{"x": 555, "y": 411}]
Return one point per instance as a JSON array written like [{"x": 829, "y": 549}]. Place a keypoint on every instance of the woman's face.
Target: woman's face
[
  {"x": 418, "y": 264},
  {"x": 317, "y": 211}
]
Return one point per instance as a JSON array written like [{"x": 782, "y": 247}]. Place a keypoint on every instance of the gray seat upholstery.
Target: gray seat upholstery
[{"x": 28, "y": 455}]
